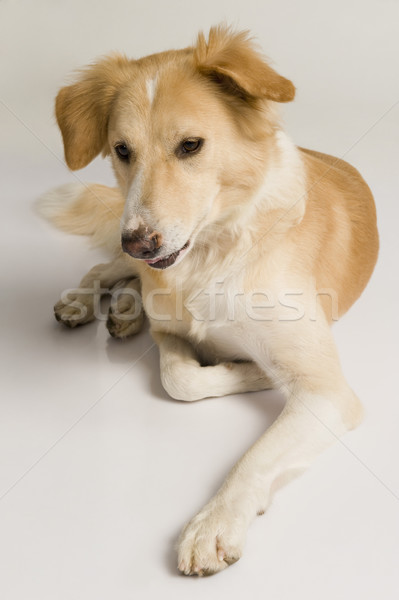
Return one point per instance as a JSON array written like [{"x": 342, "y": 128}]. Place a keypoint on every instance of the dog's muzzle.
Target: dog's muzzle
[{"x": 146, "y": 245}]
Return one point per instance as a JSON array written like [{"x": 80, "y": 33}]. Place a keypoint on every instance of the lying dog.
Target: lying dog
[{"x": 223, "y": 221}]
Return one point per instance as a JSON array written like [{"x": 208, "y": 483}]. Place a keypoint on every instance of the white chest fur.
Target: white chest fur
[{"x": 219, "y": 320}]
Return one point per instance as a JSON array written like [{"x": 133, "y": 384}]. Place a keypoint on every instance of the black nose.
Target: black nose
[{"x": 141, "y": 243}]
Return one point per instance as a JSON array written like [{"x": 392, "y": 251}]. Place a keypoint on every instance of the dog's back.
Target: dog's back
[{"x": 341, "y": 221}]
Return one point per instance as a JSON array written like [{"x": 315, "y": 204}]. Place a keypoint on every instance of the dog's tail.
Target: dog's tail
[{"x": 93, "y": 210}]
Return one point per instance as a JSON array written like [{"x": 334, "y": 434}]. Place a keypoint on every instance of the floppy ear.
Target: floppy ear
[
  {"x": 230, "y": 59},
  {"x": 83, "y": 109}
]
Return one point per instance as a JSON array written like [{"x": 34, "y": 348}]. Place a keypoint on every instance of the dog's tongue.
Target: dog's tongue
[
  {"x": 152, "y": 261},
  {"x": 163, "y": 263},
  {"x": 166, "y": 261}
]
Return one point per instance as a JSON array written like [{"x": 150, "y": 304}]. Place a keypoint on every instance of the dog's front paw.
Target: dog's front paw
[
  {"x": 120, "y": 327},
  {"x": 77, "y": 309},
  {"x": 126, "y": 315},
  {"x": 212, "y": 541}
]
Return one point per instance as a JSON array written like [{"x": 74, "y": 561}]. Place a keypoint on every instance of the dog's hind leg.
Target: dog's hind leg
[
  {"x": 80, "y": 305},
  {"x": 184, "y": 378}
]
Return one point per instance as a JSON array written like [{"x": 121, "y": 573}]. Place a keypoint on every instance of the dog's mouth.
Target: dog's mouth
[{"x": 168, "y": 261}]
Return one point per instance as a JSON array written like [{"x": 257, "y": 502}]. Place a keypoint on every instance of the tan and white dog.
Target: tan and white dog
[{"x": 245, "y": 249}]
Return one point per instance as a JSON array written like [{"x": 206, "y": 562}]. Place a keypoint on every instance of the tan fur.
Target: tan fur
[
  {"x": 266, "y": 223},
  {"x": 103, "y": 203},
  {"x": 233, "y": 57},
  {"x": 82, "y": 109},
  {"x": 342, "y": 227}
]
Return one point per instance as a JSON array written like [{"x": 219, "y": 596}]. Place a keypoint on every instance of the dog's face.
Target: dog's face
[
  {"x": 185, "y": 129},
  {"x": 168, "y": 136}
]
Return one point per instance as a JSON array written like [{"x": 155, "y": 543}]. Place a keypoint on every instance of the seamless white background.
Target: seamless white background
[{"x": 99, "y": 468}]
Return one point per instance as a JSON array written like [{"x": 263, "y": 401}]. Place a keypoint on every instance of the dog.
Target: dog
[{"x": 243, "y": 249}]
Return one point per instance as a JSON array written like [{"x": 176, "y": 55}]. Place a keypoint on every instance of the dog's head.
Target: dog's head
[{"x": 187, "y": 132}]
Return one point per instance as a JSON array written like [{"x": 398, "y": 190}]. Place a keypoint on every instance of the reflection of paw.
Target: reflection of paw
[
  {"x": 126, "y": 315},
  {"x": 212, "y": 541},
  {"x": 78, "y": 310}
]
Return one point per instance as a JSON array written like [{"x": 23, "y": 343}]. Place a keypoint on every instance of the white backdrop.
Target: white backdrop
[{"x": 99, "y": 469}]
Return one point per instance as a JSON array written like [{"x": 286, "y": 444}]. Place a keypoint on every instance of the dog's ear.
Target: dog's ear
[
  {"x": 231, "y": 60},
  {"x": 83, "y": 109}
]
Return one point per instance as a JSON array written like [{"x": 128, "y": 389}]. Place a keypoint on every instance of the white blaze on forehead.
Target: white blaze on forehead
[{"x": 151, "y": 85}]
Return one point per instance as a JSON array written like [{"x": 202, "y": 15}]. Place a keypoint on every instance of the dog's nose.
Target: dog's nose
[{"x": 141, "y": 243}]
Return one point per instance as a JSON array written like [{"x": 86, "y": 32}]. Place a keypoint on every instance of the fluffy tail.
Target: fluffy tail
[{"x": 93, "y": 210}]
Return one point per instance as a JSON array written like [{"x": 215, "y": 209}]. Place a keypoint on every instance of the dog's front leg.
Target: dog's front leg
[
  {"x": 184, "y": 378},
  {"x": 320, "y": 407}
]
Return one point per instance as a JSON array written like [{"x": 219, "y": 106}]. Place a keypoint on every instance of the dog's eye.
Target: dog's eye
[
  {"x": 122, "y": 152},
  {"x": 190, "y": 146}
]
